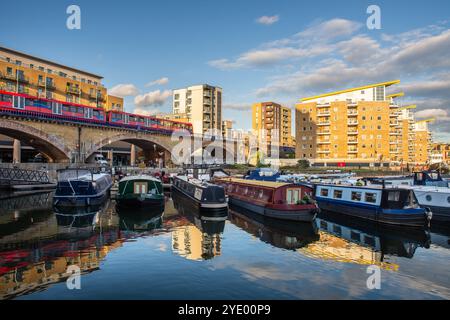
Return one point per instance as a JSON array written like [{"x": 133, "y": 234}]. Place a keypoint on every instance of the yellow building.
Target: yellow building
[
  {"x": 440, "y": 153},
  {"x": 269, "y": 119},
  {"x": 227, "y": 127},
  {"x": 27, "y": 74},
  {"x": 181, "y": 117},
  {"x": 422, "y": 142},
  {"x": 360, "y": 126}
]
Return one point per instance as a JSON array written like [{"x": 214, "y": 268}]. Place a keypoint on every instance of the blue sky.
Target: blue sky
[{"x": 304, "y": 48}]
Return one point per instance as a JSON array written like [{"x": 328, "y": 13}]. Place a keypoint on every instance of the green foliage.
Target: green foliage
[{"x": 303, "y": 164}]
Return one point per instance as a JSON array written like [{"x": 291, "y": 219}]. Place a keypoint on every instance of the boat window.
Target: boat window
[
  {"x": 434, "y": 175},
  {"x": 371, "y": 197},
  {"x": 356, "y": 236},
  {"x": 323, "y": 225},
  {"x": 324, "y": 192},
  {"x": 337, "y": 194},
  {"x": 337, "y": 230},
  {"x": 369, "y": 241},
  {"x": 428, "y": 197},
  {"x": 261, "y": 193},
  {"x": 394, "y": 196},
  {"x": 246, "y": 190},
  {"x": 356, "y": 196},
  {"x": 292, "y": 196}
]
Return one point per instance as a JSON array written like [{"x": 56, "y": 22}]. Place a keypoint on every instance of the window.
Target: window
[
  {"x": 18, "y": 62},
  {"x": 371, "y": 197},
  {"x": 356, "y": 196},
  {"x": 337, "y": 194},
  {"x": 429, "y": 198},
  {"x": 394, "y": 196},
  {"x": 9, "y": 70},
  {"x": 324, "y": 192}
]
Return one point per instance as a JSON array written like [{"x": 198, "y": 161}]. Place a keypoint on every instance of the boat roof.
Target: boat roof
[
  {"x": 140, "y": 177},
  {"x": 196, "y": 182},
  {"x": 259, "y": 183}
]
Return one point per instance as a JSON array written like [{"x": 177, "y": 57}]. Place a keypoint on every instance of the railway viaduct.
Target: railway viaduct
[{"x": 72, "y": 142}]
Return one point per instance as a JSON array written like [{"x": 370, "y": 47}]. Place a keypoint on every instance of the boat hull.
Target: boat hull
[
  {"x": 411, "y": 217},
  {"x": 439, "y": 213},
  {"x": 81, "y": 201},
  {"x": 306, "y": 215},
  {"x": 212, "y": 210},
  {"x": 136, "y": 201}
]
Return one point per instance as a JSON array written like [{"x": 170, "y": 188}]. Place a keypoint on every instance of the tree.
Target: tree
[{"x": 303, "y": 164}]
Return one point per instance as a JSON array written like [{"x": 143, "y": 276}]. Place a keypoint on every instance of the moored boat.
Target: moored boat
[
  {"x": 140, "y": 192},
  {"x": 272, "y": 199},
  {"x": 81, "y": 187},
  {"x": 396, "y": 206},
  {"x": 207, "y": 198}
]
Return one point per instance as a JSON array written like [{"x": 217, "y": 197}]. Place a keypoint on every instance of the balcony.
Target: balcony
[
  {"x": 321, "y": 133},
  {"x": 352, "y": 132},
  {"x": 323, "y": 114},
  {"x": 50, "y": 86},
  {"x": 352, "y": 113},
  {"x": 352, "y": 123},
  {"x": 394, "y": 123},
  {"x": 323, "y": 151},
  {"x": 394, "y": 151},
  {"x": 8, "y": 76},
  {"x": 353, "y": 151},
  {"x": 352, "y": 141},
  {"x": 73, "y": 90},
  {"x": 323, "y": 123},
  {"x": 323, "y": 105},
  {"x": 323, "y": 142}
]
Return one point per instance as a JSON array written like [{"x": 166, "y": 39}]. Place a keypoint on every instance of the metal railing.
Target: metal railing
[{"x": 9, "y": 176}]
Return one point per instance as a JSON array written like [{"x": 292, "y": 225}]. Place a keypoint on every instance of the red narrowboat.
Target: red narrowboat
[{"x": 278, "y": 200}]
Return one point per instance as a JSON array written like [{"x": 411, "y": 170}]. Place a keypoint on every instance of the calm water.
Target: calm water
[{"x": 178, "y": 255}]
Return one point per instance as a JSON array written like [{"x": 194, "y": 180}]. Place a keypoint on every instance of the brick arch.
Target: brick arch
[
  {"x": 51, "y": 146},
  {"x": 143, "y": 141}
]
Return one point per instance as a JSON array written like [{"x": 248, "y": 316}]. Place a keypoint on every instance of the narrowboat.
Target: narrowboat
[
  {"x": 81, "y": 187},
  {"x": 262, "y": 174},
  {"x": 278, "y": 200},
  {"x": 206, "y": 198},
  {"x": 395, "y": 206},
  {"x": 140, "y": 192}
]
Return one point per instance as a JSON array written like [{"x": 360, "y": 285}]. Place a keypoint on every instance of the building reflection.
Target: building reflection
[
  {"x": 363, "y": 243},
  {"x": 289, "y": 235},
  {"x": 37, "y": 255},
  {"x": 200, "y": 238}
]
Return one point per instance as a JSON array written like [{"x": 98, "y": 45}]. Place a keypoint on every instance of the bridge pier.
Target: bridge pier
[
  {"x": 17, "y": 151},
  {"x": 133, "y": 155}
]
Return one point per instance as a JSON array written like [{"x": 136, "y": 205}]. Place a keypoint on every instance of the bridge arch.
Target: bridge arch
[
  {"x": 50, "y": 146},
  {"x": 143, "y": 141}
]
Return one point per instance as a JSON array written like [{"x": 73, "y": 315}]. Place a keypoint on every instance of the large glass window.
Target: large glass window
[
  {"x": 371, "y": 197},
  {"x": 324, "y": 192},
  {"x": 356, "y": 196}
]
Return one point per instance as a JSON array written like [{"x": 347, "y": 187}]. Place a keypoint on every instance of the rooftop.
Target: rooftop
[
  {"x": 28, "y": 56},
  {"x": 386, "y": 84}
]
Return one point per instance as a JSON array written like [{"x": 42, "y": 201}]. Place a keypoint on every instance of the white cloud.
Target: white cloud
[
  {"x": 438, "y": 114},
  {"x": 238, "y": 106},
  {"x": 146, "y": 112},
  {"x": 124, "y": 90},
  {"x": 153, "y": 98},
  {"x": 310, "y": 43},
  {"x": 160, "y": 82},
  {"x": 268, "y": 20}
]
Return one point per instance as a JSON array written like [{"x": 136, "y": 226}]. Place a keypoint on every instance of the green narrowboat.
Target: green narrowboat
[{"x": 140, "y": 192}]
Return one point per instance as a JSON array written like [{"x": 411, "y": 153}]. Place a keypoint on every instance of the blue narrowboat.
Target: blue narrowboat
[
  {"x": 81, "y": 188},
  {"x": 394, "y": 206},
  {"x": 262, "y": 174}
]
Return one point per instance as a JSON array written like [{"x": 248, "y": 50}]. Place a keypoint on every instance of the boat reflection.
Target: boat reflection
[
  {"x": 440, "y": 235},
  {"x": 200, "y": 237},
  {"x": 38, "y": 254},
  {"x": 361, "y": 242},
  {"x": 281, "y": 234}
]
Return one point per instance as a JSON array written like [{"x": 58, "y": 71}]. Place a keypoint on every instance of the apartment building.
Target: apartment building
[
  {"x": 422, "y": 142},
  {"x": 202, "y": 105},
  {"x": 440, "y": 153},
  {"x": 269, "y": 119},
  {"x": 227, "y": 127},
  {"x": 23, "y": 73},
  {"x": 362, "y": 126}
]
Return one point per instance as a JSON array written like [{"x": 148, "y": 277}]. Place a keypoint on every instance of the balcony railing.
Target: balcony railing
[
  {"x": 352, "y": 141},
  {"x": 324, "y": 123},
  {"x": 323, "y": 114},
  {"x": 72, "y": 89},
  {"x": 323, "y": 132},
  {"x": 50, "y": 86},
  {"x": 352, "y": 123},
  {"x": 8, "y": 76},
  {"x": 323, "y": 142},
  {"x": 352, "y": 151},
  {"x": 352, "y": 132}
]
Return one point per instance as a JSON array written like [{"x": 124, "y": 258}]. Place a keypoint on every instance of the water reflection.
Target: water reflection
[
  {"x": 38, "y": 243},
  {"x": 353, "y": 241},
  {"x": 281, "y": 234},
  {"x": 201, "y": 238}
]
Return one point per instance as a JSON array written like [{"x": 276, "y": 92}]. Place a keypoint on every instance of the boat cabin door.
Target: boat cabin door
[{"x": 140, "y": 187}]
